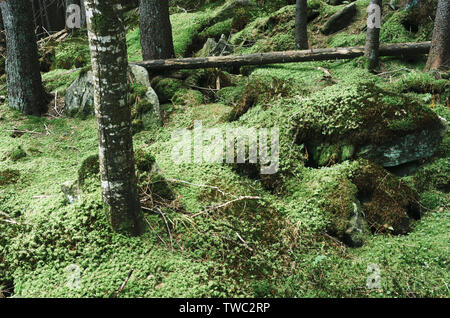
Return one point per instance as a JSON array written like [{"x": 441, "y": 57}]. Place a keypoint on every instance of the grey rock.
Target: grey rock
[
  {"x": 404, "y": 149},
  {"x": 213, "y": 48},
  {"x": 208, "y": 48},
  {"x": 140, "y": 75},
  {"x": 340, "y": 19},
  {"x": 79, "y": 99},
  {"x": 223, "y": 47}
]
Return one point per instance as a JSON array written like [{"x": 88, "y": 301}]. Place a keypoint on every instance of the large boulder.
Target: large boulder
[
  {"x": 350, "y": 121},
  {"x": 340, "y": 19},
  {"x": 79, "y": 99}
]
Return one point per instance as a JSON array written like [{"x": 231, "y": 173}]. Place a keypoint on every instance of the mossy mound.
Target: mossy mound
[
  {"x": 17, "y": 154},
  {"x": 90, "y": 167},
  {"x": 72, "y": 53},
  {"x": 166, "y": 88},
  {"x": 343, "y": 116},
  {"x": 9, "y": 176},
  {"x": 389, "y": 204}
]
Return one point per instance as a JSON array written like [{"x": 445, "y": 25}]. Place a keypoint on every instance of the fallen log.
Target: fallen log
[{"x": 397, "y": 49}]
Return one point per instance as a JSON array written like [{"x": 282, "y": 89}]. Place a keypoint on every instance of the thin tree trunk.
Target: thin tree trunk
[
  {"x": 83, "y": 15},
  {"x": 301, "y": 22},
  {"x": 111, "y": 88},
  {"x": 156, "y": 30},
  {"x": 439, "y": 56},
  {"x": 25, "y": 90},
  {"x": 372, "y": 47}
]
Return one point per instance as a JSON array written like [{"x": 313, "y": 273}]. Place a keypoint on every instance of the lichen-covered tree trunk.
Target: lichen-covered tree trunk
[
  {"x": 372, "y": 47},
  {"x": 301, "y": 22},
  {"x": 156, "y": 30},
  {"x": 109, "y": 65},
  {"x": 439, "y": 56},
  {"x": 25, "y": 90}
]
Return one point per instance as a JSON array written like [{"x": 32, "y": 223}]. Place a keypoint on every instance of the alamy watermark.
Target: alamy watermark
[
  {"x": 73, "y": 273},
  {"x": 73, "y": 16},
  {"x": 231, "y": 145},
  {"x": 374, "y": 278}
]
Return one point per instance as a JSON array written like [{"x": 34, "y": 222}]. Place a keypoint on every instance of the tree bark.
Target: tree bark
[
  {"x": 439, "y": 56},
  {"x": 301, "y": 23},
  {"x": 372, "y": 47},
  {"x": 156, "y": 30},
  {"x": 25, "y": 90},
  {"x": 397, "y": 49},
  {"x": 109, "y": 65}
]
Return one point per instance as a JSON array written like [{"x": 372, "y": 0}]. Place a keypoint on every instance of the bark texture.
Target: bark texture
[
  {"x": 439, "y": 56},
  {"x": 25, "y": 90},
  {"x": 372, "y": 47},
  {"x": 397, "y": 49},
  {"x": 109, "y": 65},
  {"x": 156, "y": 30},
  {"x": 301, "y": 22}
]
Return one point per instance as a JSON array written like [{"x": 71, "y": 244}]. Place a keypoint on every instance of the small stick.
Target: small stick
[
  {"x": 244, "y": 242},
  {"x": 226, "y": 204},
  {"x": 124, "y": 283}
]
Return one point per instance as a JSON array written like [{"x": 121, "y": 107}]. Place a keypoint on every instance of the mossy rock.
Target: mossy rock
[
  {"x": 433, "y": 176},
  {"x": 230, "y": 95},
  {"x": 90, "y": 167},
  {"x": 9, "y": 176},
  {"x": 17, "y": 154},
  {"x": 365, "y": 120},
  {"x": 389, "y": 204},
  {"x": 166, "y": 88},
  {"x": 187, "y": 97},
  {"x": 144, "y": 160}
]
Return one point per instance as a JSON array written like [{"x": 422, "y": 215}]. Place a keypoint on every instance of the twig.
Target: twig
[
  {"x": 148, "y": 223},
  {"x": 124, "y": 283},
  {"x": 198, "y": 185},
  {"x": 244, "y": 242},
  {"x": 223, "y": 205},
  {"x": 157, "y": 210}
]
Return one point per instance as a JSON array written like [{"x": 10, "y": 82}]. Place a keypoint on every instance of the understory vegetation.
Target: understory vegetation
[{"x": 219, "y": 230}]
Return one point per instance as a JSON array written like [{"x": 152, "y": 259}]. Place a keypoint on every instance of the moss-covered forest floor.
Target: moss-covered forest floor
[{"x": 288, "y": 243}]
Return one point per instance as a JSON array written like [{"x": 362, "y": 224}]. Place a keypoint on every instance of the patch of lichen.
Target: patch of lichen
[{"x": 389, "y": 204}]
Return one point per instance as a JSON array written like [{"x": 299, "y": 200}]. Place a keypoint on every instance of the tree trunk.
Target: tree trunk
[
  {"x": 301, "y": 22},
  {"x": 25, "y": 90},
  {"x": 156, "y": 30},
  {"x": 439, "y": 56},
  {"x": 111, "y": 88},
  {"x": 372, "y": 47},
  {"x": 83, "y": 15},
  {"x": 396, "y": 49}
]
